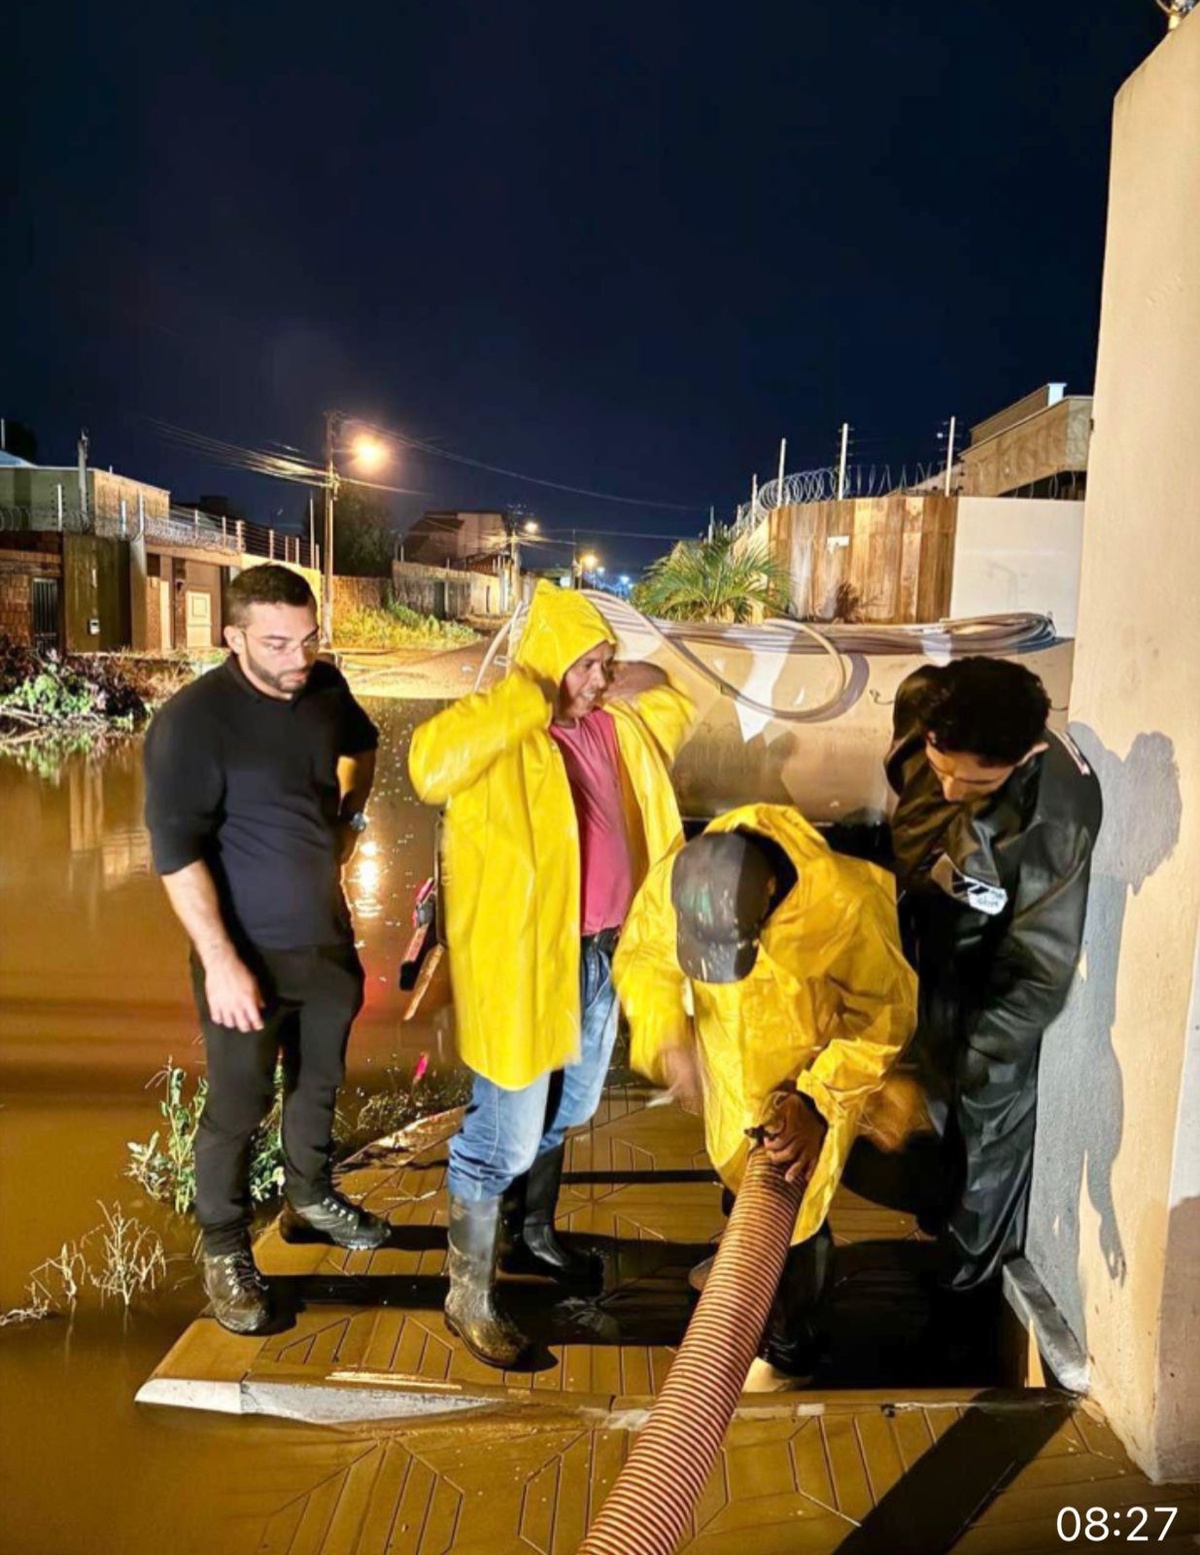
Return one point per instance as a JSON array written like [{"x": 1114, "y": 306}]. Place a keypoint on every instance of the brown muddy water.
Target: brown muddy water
[{"x": 93, "y": 1001}]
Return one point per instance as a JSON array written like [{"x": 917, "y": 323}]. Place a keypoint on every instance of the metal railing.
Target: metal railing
[{"x": 183, "y": 527}]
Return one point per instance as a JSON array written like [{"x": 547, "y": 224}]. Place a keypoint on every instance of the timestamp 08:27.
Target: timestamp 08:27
[{"x": 1136, "y": 1524}]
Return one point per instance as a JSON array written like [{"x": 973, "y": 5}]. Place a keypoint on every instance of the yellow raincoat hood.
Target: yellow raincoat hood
[
  {"x": 561, "y": 627},
  {"x": 510, "y": 847},
  {"x": 829, "y": 1006}
]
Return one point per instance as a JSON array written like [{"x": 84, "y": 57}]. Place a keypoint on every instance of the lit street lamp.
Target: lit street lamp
[
  {"x": 514, "y": 526},
  {"x": 369, "y": 453}
]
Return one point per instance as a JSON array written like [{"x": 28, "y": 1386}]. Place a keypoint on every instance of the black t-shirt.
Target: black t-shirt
[{"x": 248, "y": 783}]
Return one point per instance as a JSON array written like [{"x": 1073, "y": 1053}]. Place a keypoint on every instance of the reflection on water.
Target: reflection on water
[
  {"x": 92, "y": 965},
  {"x": 93, "y": 1000},
  {"x": 363, "y": 880}
]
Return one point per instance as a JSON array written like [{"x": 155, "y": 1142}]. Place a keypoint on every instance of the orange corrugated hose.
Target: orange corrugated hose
[{"x": 651, "y": 1503}]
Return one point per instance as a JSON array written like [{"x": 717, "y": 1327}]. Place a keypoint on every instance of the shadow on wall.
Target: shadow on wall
[{"x": 1081, "y": 1096}]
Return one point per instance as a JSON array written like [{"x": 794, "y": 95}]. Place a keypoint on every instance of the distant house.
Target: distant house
[
  {"x": 1035, "y": 448},
  {"x": 92, "y": 560},
  {"x": 450, "y": 538}
]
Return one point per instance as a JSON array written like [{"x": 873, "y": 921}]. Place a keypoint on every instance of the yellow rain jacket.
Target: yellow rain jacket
[
  {"x": 829, "y": 1004},
  {"x": 510, "y": 853}
]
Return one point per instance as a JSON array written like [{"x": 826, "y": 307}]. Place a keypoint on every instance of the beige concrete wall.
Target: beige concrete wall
[
  {"x": 1115, "y": 1219},
  {"x": 1014, "y": 554},
  {"x": 1048, "y": 443},
  {"x": 108, "y": 491},
  {"x": 445, "y": 592}
]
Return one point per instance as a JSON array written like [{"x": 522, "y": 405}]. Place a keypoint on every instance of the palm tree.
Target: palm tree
[{"x": 722, "y": 578}]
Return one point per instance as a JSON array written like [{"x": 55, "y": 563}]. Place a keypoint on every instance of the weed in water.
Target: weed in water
[
  {"x": 129, "y": 1259},
  {"x": 121, "y": 1258},
  {"x": 165, "y": 1164}
]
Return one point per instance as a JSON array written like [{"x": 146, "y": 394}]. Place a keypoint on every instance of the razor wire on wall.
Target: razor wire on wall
[{"x": 822, "y": 485}]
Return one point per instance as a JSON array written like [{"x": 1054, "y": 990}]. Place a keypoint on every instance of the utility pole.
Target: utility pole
[
  {"x": 841, "y": 487},
  {"x": 312, "y": 528},
  {"x": 83, "y": 459},
  {"x": 331, "y": 417},
  {"x": 779, "y": 482},
  {"x": 950, "y": 454},
  {"x": 712, "y": 528}
]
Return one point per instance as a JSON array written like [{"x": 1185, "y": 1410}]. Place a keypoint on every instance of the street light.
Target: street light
[
  {"x": 369, "y": 452},
  {"x": 514, "y": 526}
]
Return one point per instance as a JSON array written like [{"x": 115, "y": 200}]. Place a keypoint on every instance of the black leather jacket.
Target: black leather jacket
[{"x": 993, "y": 895}]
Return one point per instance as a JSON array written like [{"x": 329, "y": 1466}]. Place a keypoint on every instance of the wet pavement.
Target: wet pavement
[{"x": 93, "y": 1001}]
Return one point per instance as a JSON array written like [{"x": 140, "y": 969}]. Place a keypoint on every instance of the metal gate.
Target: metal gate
[{"x": 45, "y": 615}]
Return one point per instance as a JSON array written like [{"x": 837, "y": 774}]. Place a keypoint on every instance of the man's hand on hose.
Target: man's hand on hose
[
  {"x": 232, "y": 993},
  {"x": 795, "y": 1132}
]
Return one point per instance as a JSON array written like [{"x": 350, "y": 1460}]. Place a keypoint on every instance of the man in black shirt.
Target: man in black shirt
[
  {"x": 993, "y": 835},
  {"x": 257, "y": 775}
]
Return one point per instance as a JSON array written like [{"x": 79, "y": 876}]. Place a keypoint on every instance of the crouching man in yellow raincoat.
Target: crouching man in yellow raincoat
[
  {"x": 558, "y": 799},
  {"x": 763, "y": 973}
]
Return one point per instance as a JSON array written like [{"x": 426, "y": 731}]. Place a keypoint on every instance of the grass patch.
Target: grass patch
[{"x": 396, "y": 626}]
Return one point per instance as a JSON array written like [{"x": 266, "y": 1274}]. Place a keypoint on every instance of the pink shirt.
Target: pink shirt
[{"x": 593, "y": 762}]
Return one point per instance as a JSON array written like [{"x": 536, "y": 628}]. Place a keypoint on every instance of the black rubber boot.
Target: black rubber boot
[
  {"x": 532, "y": 1245},
  {"x": 793, "y": 1342},
  {"x": 236, "y": 1290},
  {"x": 333, "y": 1218},
  {"x": 471, "y": 1314}
]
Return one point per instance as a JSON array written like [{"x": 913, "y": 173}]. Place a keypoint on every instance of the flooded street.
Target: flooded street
[{"x": 93, "y": 1001}]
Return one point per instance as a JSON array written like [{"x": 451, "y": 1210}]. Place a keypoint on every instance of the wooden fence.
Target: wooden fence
[{"x": 895, "y": 552}]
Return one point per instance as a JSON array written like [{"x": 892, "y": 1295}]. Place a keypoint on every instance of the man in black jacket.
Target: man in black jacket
[
  {"x": 993, "y": 835},
  {"x": 257, "y": 775}
]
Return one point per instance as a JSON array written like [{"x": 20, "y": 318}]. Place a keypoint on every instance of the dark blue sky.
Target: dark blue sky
[{"x": 624, "y": 247}]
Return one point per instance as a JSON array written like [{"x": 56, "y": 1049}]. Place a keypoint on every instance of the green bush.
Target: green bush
[
  {"x": 166, "y": 1164},
  {"x": 723, "y": 578},
  {"x": 37, "y": 691}
]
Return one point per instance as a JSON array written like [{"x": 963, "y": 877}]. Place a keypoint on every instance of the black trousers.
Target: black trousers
[
  {"x": 312, "y": 996},
  {"x": 797, "y": 1314}
]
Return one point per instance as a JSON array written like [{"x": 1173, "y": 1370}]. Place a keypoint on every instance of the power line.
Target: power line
[
  {"x": 294, "y": 467},
  {"x": 533, "y": 480}
]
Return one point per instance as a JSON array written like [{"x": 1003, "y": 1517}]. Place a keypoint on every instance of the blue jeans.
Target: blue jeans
[{"x": 504, "y": 1132}]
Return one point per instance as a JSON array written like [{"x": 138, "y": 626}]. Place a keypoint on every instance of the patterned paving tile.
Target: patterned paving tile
[{"x": 855, "y": 1472}]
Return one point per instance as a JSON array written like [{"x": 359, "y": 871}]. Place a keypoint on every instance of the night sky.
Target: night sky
[{"x": 623, "y": 247}]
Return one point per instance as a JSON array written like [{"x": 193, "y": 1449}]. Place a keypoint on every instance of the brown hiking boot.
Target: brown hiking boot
[{"x": 236, "y": 1291}]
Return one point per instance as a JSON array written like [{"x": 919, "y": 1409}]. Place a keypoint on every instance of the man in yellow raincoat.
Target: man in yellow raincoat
[
  {"x": 765, "y": 971},
  {"x": 558, "y": 798}
]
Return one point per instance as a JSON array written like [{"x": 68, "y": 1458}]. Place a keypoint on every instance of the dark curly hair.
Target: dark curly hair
[
  {"x": 269, "y": 584},
  {"x": 992, "y": 709}
]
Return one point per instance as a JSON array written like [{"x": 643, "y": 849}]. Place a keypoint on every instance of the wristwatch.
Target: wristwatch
[{"x": 356, "y": 822}]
